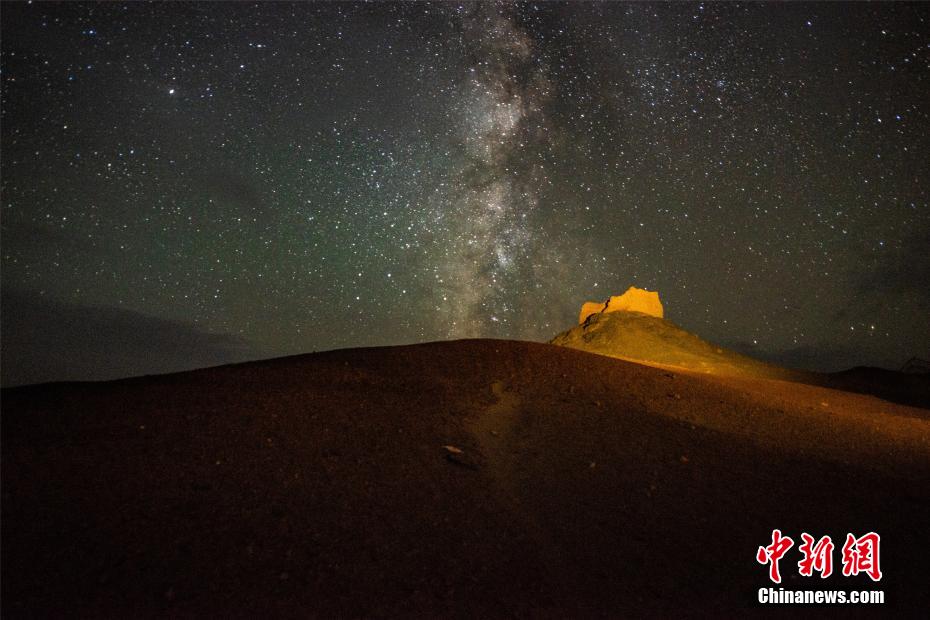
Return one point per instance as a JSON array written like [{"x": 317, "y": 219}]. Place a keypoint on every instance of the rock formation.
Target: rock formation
[
  {"x": 633, "y": 300},
  {"x": 632, "y": 327},
  {"x": 591, "y": 307}
]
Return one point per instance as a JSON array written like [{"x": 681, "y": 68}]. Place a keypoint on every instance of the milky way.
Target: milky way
[
  {"x": 487, "y": 209},
  {"x": 208, "y": 182}
]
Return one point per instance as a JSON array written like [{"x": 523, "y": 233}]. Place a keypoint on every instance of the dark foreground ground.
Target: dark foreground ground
[{"x": 320, "y": 486}]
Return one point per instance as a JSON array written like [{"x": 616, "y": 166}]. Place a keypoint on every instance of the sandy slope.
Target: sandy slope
[
  {"x": 321, "y": 485},
  {"x": 638, "y": 337},
  {"x": 635, "y": 336}
]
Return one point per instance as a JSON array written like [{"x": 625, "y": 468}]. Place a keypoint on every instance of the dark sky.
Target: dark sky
[{"x": 190, "y": 183}]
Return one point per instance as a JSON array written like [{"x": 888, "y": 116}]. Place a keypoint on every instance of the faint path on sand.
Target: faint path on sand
[
  {"x": 492, "y": 426},
  {"x": 496, "y": 429}
]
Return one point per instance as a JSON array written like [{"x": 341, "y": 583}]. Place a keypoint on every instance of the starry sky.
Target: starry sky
[{"x": 185, "y": 184}]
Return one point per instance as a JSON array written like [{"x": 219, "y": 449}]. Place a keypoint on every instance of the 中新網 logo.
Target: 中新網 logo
[{"x": 859, "y": 555}]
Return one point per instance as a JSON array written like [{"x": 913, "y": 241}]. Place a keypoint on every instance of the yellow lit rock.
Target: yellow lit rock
[
  {"x": 589, "y": 308},
  {"x": 633, "y": 300}
]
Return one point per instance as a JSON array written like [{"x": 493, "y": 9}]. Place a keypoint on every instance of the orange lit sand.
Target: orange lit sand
[{"x": 324, "y": 485}]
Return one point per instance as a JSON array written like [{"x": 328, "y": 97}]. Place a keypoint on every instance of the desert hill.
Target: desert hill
[
  {"x": 643, "y": 336},
  {"x": 468, "y": 478},
  {"x": 636, "y": 336}
]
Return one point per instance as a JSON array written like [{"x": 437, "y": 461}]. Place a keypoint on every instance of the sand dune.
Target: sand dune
[{"x": 468, "y": 478}]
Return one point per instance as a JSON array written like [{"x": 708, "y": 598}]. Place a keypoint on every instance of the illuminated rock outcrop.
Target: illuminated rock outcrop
[
  {"x": 631, "y": 327},
  {"x": 633, "y": 300}
]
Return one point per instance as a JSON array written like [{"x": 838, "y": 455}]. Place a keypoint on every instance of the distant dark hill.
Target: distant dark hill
[
  {"x": 638, "y": 337},
  {"x": 458, "y": 479},
  {"x": 900, "y": 387}
]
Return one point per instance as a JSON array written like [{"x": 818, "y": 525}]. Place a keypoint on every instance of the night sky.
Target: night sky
[{"x": 186, "y": 184}]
